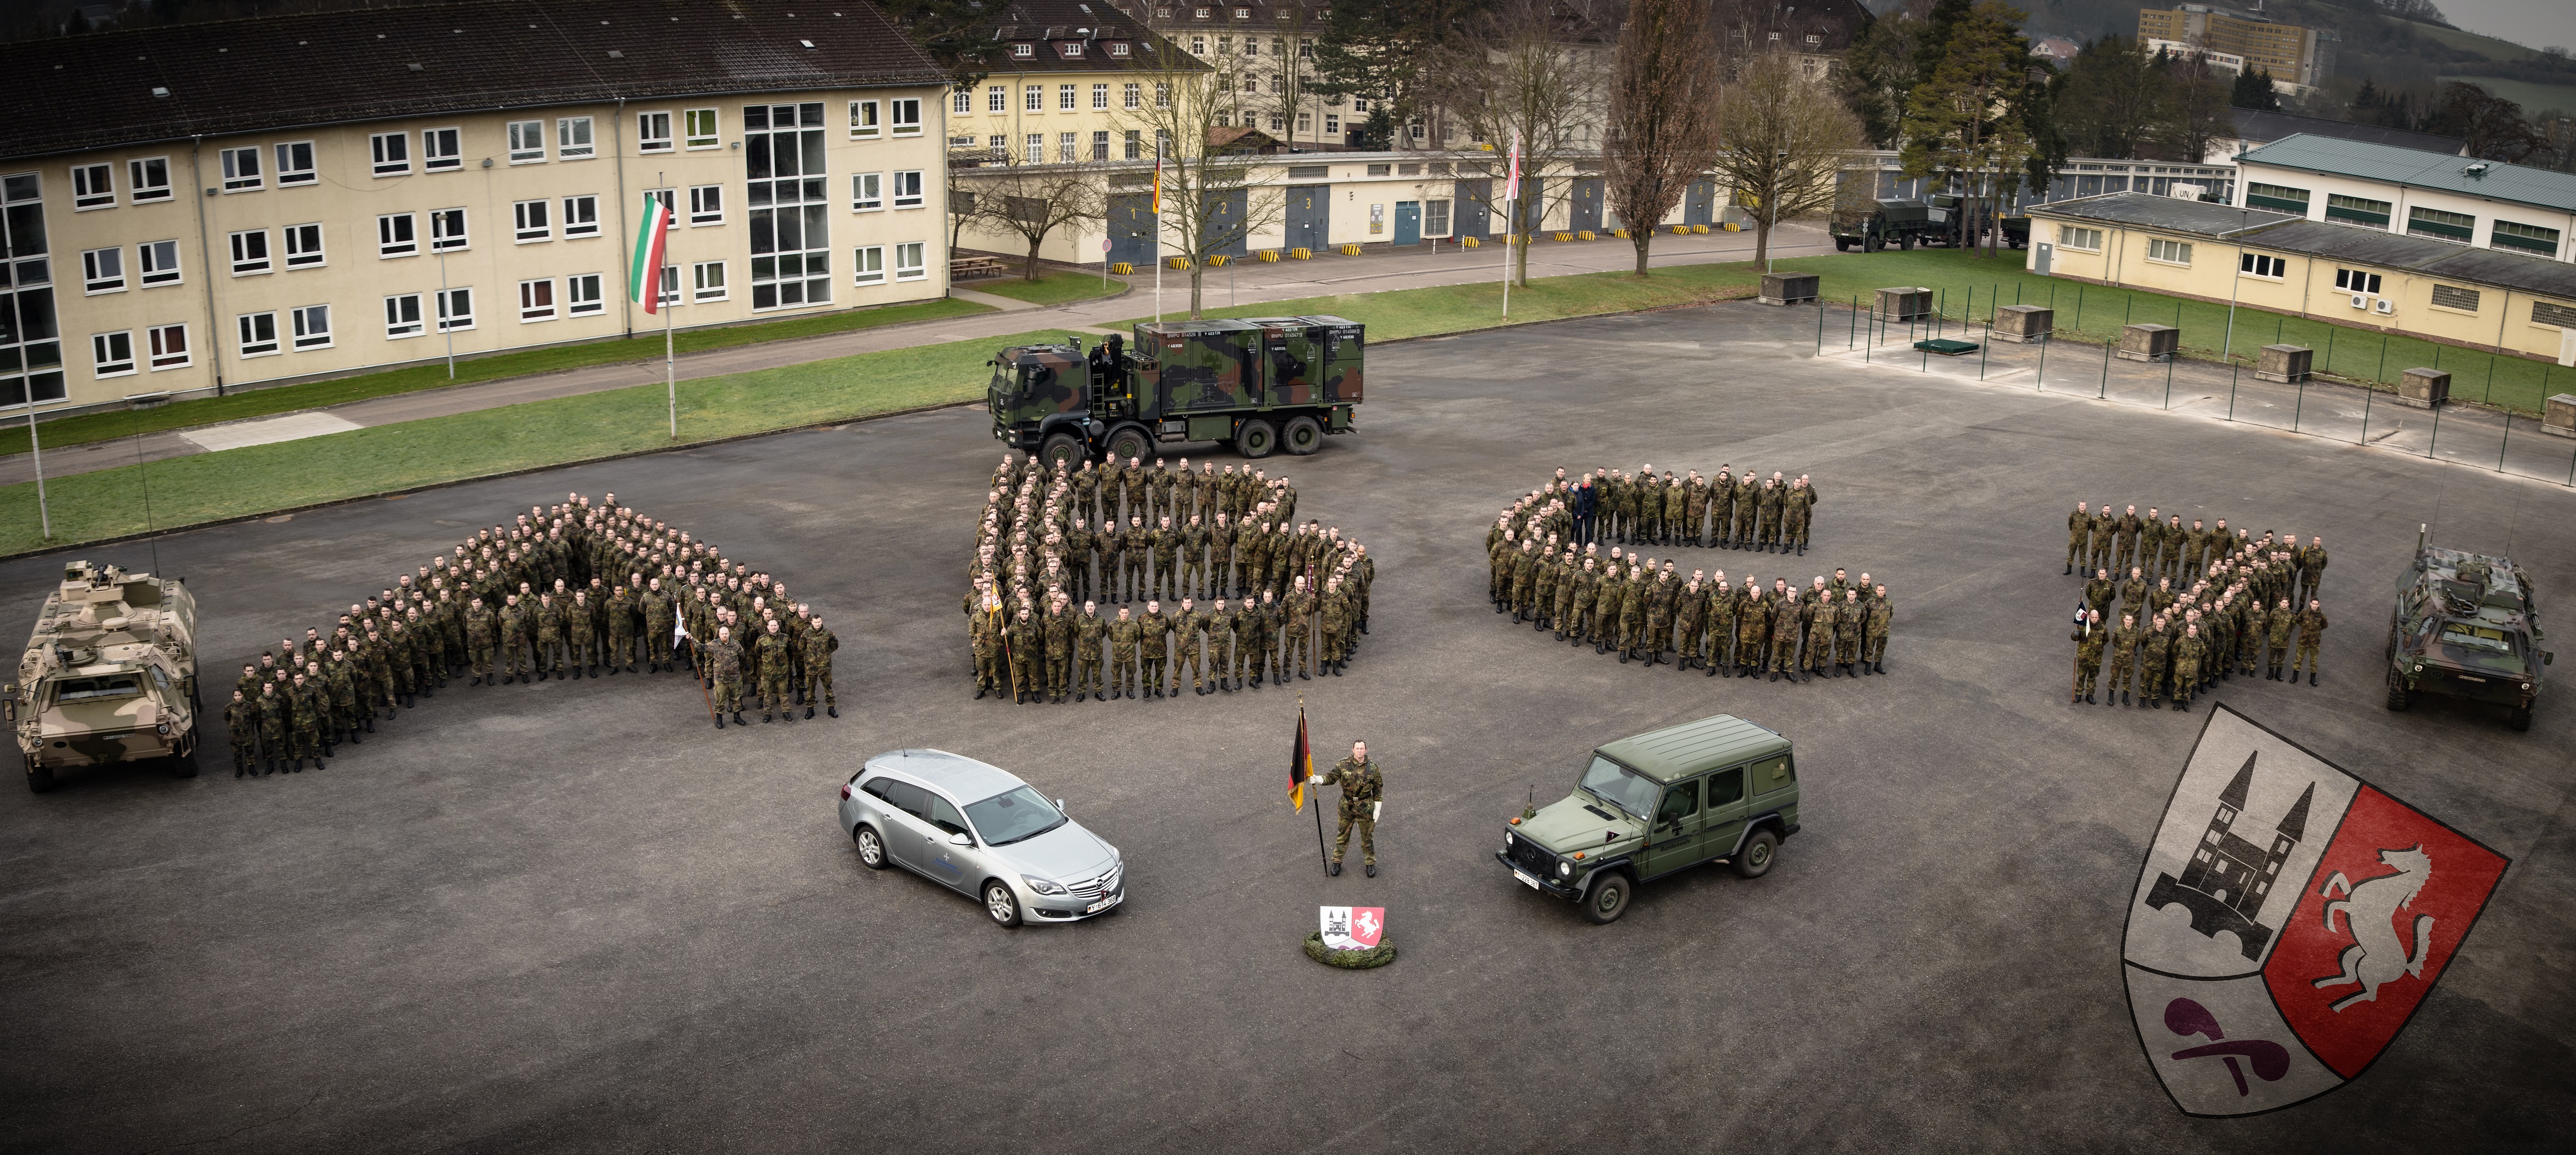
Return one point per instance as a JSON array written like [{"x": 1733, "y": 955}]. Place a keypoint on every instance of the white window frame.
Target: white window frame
[
  {"x": 388, "y": 248},
  {"x": 464, "y": 320},
  {"x": 293, "y": 170},
  {"x": 914, "y": 199},
  {"x": 867, "y": 192},
  {"x": 102, "y": 270},
  {"x": 451, "y": 158},
  {"x": 690, "y": 122},
  {"x": 526, "y": 140},
  {"x": 2261, "y": 266},
  {"x": 312, "y": 327},
  {"x": 576, "y": 138},
  {"x": 1033, "y": 98},
  {"x": 1068, "y": 97},
  {"x": 2167, "y": 251},
  {"x": 997, "y": 98},
  {"x": 93, "y": 187},
  {"x": 1034, "y": 148},
  {"x": 256, "y": 334},
  {"x": 1448, "y": 216},
  {"x": 530, "y": 222},
  {"x": 706, "y": 205},
  {"x": 389, "y": 153},
  {"x": 303, "y": 246},
  {"x": 403, "y": 317},
  {"x": 1132, "y": 95},
  {"x": 1068, "y": 148},
  {"x": 138, "y": 176},
  {"x": 112, "y": 355},
  {"x": 537, "y": 300},
  {"x": 653, "y": 133},
  {"x": 441, "y": 239},
  {"x": 2079, "y": 238},
  {"x": 577, "y": 303},
  {"x": 669, "y": 283},
  {"x": 1100, "y": 98},
  {"x": 903, "y": 116},
  {"x": 866, "y": 120},
  {"x": 961, "y": 102},
  {"x": 867, "y": 265},
  {"x": 250, "y": 252},
  {"x": 919, "y": 269},
  {"x": 700, "y": 291},
  {"x": 150, "y": 272},
  {"x": 2352, "y": 280},
  {"x": 581, "y": 216},
  {"x": 162, "y": 352},
  {"x": 239, "y": 169}
]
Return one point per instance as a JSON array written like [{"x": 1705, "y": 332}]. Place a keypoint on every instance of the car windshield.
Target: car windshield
[
  {"x": 1007, "y": 818},
  {"x": 1619, "y": 786},
  {"x": 87, "y": 689}
]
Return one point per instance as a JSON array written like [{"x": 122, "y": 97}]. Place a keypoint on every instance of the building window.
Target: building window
[
  {"x": 2528, "y": 238},
  {"x": 581, "y": 295},
  {"x": 391, "y": 153},
  {"x": 148, "y": 179},
  {"x": 1131, "y": 95},
  {"x": 961, "y": 102},
  {"x": 1162, "y": 96},
  {"x": 303, "y": 246},
  {"x": 908, "y": 262},
  {"x": 250, "y": 252},
  {"x": 1037, "y": 148},
  {"x": 907, "y": 116},
  {"x": 1033, "y": 98},
  {"x": 2356, "y": 210},
  {"x": 455, "y": 310},
  {"x": 2168, "y": 251},
  {"x": 442, "y": 149},
  {"x": 528, "y": 222},
  {"x": 868, "y": 265},
  {"x": 2356, "y": 281},
  {"x": 537, "y": 300},
  {"x": 159, "y": 264},
  {"x": 580, "y": 217},
  {"x": 700, "y": 124},
  {"x": 1073, "y": 50},
  {"x": 1118, "y": 50},
  {"x": 1135, "y": 144},
  {"x": 652, "y": 132},
  {"x": 790, "y": 222},
  {"x": 295, "y": 164},
  {"x": 2071, "y": 237},
  {"x": 447, "y": 230},
  {"x": 93, "y": 186},
  {"x": 907, "y": 189},
  {"x": 312, "y": 327},
  {"x": 241, "y": 170},
  {"x": 258, "y": 333},
  {"x": 1435, "y": 218},
  {"x": 1198, "y": 46},
  {"x": 572, "y": 141},
  {"x": 1305, "y": 122},
  {"x": 1100, "y": 145},
  {"x": 103, "y": 271},
  {"x": 1065, "y": 100},
  {"x": 1065, "y": 149},
  {"x": 168, "y": 346},
  {"x": 867, "y": 191},
  {"x": 1332, "y": 123},
  {"x": 997, "y": 98},
  {"x": 707, "y": 282},
  {"x": 999, "y": 146},
  {"x": 402, "y": 316},
  {"x": 527, "y": 141},
  {"x": 2435, "y": 223},
  {"x": 1100, "y": 96},
  {"x": 1024, "y": 52},
  {"x": 111, "y": 354},
  {"x": 2278, "y": 198},
  {"x": 706, "y": 205},
  {"x": 863, "y": 120},
  {"x": 2453, "y": 297},
  {"x": 2261, "y": 265},
  {"x": 669, "y": 283}
]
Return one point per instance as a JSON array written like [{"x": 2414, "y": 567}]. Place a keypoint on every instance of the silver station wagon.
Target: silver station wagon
[{"x": 979, "y": 830}]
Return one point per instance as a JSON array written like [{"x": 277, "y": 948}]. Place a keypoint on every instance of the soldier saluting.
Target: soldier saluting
[{"x": 1363, "y": 794}]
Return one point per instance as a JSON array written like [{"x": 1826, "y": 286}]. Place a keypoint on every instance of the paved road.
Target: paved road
[
  {"x": 1247, "y": 283},
  {"x": 572, "y": 917}
]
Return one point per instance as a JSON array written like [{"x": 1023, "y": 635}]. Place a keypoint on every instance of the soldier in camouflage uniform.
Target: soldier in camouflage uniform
[
  {"x": 341, "y": 684},
  {"x": 1297, "y": 625},
  {"x": 1265, "y": 624},
  {"x": 482, "y": 632},
  {"x": 660, "y": 614},
  {"x": 2089, "y": 638},
  {"x": 274, "y": 713},
  {"x": 2124, "y": 660},
  {"x": 304, "y": 703},
  {"x": 986, "y": 626},
  {"x": 1225, "y": 650},
  {"x": 621, "y": 609},
  {"x": 1189, "y": 637},
  {"x": 724, "y": 662},
  {"x": 1125, "y": 635},
  {"x": 1088, "y": 631},
  {"x": 1363, "y": 788},
  {"x": 241, "y": 718},
  {"x": 579, "y": 617},
  {"x": 1153, "y": 634}
]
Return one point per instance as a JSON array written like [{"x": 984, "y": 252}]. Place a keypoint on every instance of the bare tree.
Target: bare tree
[
  {"x": 1210, "y": 201},
  {"x": 1663, "y": 114},
  {"x": 1530, "y": 71},
  {"x": 1034, "y": 200},
  {"x": 1784, "y": 139}
]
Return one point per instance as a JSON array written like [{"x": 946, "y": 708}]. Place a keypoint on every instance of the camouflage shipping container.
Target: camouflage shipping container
[{"x": 1254, "y": 386}]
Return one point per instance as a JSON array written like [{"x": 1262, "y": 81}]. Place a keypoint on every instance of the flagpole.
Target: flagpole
[
  {"x": 1318, "y": 797},
  {"x": 670, "y": 365},
  {"x": 1511, "y": 227}
]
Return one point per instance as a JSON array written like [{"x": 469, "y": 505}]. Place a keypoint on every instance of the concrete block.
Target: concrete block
[
  {"x": 2149, "y": 343},
  {"x": 1904, "y": 304},
  {"x": 2559, "y": 415},
  {"x": 2424, "y": 388},
  {"x": 1788, "y": 288},
  {"x": 2025, "y": 324},
  {"x": 2288, "y": 364}
]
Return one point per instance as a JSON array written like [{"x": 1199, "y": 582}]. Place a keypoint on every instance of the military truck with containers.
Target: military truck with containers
[
  {"x": 1255, "y": 385},
  {"x": 1872, "y": 225},
  {"x": 1719, "y": 789},
  {"x": 2466, "y": 626},
  {"x": 110, "y": 676}
]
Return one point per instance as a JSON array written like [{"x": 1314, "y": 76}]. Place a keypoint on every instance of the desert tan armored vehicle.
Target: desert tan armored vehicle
[{"x": 110, "y": 676}]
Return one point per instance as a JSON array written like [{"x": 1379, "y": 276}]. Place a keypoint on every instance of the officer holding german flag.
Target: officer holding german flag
[{"x": 1363, "y": 797}]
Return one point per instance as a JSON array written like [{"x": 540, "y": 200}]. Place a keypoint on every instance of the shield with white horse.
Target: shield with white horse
[{"x": 2288, "y": 921}]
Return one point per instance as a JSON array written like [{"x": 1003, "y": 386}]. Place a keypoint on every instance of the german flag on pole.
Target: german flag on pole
[{"x": 1301, "y": 765}]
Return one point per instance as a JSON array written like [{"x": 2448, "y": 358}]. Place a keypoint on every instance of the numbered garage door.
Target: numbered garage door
[
  {"x": 1585, "y": 212},
  {"x": 1221, "y": 227},
  {"x": 1309, "y": 217},
  {"x": 1131, "y": 229}
]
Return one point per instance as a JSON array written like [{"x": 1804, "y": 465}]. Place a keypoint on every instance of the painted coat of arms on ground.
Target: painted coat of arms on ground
[{"x": 2288, "y": 921}]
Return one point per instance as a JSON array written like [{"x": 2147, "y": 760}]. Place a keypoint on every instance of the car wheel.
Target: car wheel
[
  {"x": 872, "y": 852},
  {"x": 1256, "y": 440},
  {"x": 2396, "y": 691},
  {"x": 1131, "y": 442},
  {"x": 2520, "y": 719},
  {"x": 1063, "y": 447},
  {"x": 1608, "y": 898},
  {"x": 1302, "y": 435},
  {"x": 1001, "y": 904},
  {"x": 1754, "y": 860}
]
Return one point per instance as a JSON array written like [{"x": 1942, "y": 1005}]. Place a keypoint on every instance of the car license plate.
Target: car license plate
[
  {"x": 1533, "y": 883},
  {"x": 1103, "y": 904}
]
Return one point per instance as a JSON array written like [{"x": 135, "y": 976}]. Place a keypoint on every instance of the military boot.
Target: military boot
[
  {"x": 2312, "y": 677},
  {"x": 980, "y": 691},
  {"x": 737, "y": 719},
  {"x": 833, "y": 710},
  {"x": 238, "y": 769},
  {"x": 809, "y": 712},
  {"x": 2088, "y": 699},
  {"x": 2124, "y": 697},
  {"x": 720, "y": 721}
]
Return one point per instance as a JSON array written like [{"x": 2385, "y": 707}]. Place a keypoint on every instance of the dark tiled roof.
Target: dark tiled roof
[
  {"x": 2257, "y": 127},
  {"x": 2283, "y": 233},
  {"x": 284, "y": 72},
  {"x": 2151, "y": 211},
  {"x": 1047, "y": 26}
]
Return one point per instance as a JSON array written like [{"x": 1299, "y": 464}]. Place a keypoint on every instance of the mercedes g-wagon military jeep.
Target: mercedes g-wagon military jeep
[{"x": 1717, "y": 790}]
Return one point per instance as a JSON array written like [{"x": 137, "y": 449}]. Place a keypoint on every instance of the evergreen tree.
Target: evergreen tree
[{"x": 2254, "y": 90}]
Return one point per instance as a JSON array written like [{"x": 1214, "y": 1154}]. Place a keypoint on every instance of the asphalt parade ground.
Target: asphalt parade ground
[{"x": 575, "y": 917}]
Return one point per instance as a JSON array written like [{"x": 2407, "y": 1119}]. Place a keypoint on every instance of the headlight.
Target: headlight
[
  {"x": 1507, "y": 838},
  {"x": 164, "y": 728},
  {"x": 1042, "y": 886},
  {"x": 1564, "y": 869},
  {"x": 2526, "y": 685}
]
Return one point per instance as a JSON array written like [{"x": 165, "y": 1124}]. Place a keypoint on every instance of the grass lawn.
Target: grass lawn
[
  {"x": 288, "y": 398},
  {"x": 215, "y": 486},
  {"x": 1055, "y": 287},
  {"x": 1972, "y": 287},
  {"x": 1458, "y": 308}
]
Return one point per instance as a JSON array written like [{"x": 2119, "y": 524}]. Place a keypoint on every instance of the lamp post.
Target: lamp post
[{"x": 27, "y": 384}]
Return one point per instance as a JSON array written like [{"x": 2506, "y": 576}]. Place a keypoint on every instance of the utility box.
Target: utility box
[
  {"x": 2150, "y": 342},
  {"x": 2424, "y": 388},
  {"x": 1906, "y": 304},
  {"x": 2025, "y": 324},
  {"x": 2284, "y": 363},
  {"x": 2559, "y": 415},
  {"x": 1788, "y": 288}
]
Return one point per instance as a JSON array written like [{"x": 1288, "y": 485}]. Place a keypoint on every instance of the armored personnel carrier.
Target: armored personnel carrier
[
  {"x": 110, "y": 676},
  {"x": 2466, "y": 625}
]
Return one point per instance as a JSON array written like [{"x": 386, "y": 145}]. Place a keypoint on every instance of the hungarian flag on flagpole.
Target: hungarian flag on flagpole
[
  {"x": 1301, "y": 765},
  {"x": 645, "y": 268}
]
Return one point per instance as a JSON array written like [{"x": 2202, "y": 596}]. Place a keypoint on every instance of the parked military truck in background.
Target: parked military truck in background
[
  {"x": 2466, "y": 626},
  {"x": 109, "y": 676},
  {"x": 1255, "y": 385},
  {"x": 1872, "y": 225}
]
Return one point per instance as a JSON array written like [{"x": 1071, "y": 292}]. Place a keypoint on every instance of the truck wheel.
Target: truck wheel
[
  {"x": 40, "y": 779},
  {"x": 1608, "y": 898},
  {"x": 2396, "y": 691},
  {"x": 1754, "y": 860},
  {"x": 184, "y": 766},
  {"x": 1131, "y": 441},
  {"x": 1906, "y": 242},
  {"x": 1063, "y": 447},
  {"x": 2520, "y": 719},
  {"x": 1842, "y": 244},
  {"x": 1302, "y": 435},
  {"x": 1256, "y": 440}
]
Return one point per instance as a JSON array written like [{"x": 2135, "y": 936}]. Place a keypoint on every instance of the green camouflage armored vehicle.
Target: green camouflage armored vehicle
[
  {"x": 1253, "y": 385},
  {"x": 2466, "y": 625},
  {"x": 1716, "y": 790},
  {"x": 110, "y": 676}
]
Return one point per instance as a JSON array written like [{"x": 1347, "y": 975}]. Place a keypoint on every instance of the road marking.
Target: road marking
[{"x": 268, "y": 431}]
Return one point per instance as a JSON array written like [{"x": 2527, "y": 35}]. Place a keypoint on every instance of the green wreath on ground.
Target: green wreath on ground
[{"x": 1358, "y": 960}]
